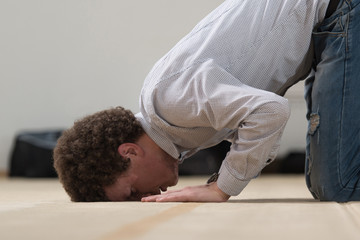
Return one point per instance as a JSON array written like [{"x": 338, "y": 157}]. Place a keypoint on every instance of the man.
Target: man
[{"x": 224, "y": 81}]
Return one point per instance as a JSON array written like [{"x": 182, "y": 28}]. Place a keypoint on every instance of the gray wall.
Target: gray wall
[{"x": 63, "y": 59}]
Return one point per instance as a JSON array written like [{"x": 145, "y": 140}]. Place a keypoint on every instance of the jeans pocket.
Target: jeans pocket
[
  {"x": 333, "y": 26},
  {"x": 330, "y": 37}
]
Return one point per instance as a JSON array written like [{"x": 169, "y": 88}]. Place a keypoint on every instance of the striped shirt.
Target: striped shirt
[{"x": 225, "y": 81}]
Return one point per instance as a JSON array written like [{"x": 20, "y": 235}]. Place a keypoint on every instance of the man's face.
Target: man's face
[{"x": 148, "y": 175}]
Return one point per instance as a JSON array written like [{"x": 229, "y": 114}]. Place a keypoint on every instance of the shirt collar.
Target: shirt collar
[{"x": 159, "y": 137}]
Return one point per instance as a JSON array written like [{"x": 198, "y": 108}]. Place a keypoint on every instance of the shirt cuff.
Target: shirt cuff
[{"x": 230, "y": 184}]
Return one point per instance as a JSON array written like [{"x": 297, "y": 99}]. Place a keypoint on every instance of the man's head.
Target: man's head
[
  {"x": 86, "y": 157},
  {"x": 151, "y": 171},
  {"x": 108, "y": 156}
]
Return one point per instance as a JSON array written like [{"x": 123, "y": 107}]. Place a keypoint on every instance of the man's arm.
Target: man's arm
[{"x": 212, "y": 100}]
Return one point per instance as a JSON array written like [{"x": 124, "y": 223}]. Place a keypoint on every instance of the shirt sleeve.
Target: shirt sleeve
[{"x": 211, "y": 99}]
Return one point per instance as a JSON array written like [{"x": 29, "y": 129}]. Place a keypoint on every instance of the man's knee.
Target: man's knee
[{"x": 333, "y": 190}]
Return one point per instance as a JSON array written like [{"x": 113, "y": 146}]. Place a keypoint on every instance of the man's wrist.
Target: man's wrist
[
  {"x": 212, "y": 183},
  {"x": 223, "y": 195}
]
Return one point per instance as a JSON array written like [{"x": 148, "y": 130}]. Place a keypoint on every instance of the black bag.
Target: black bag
[{"x": 32, "y": 154}]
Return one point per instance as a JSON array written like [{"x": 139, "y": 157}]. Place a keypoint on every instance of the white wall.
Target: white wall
[
  {"x": 63, "y": 59},
  {"x": 294, "y": 137}
]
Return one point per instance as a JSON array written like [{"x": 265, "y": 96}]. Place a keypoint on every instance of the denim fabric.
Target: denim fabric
[{"x": 333, "y": 139}]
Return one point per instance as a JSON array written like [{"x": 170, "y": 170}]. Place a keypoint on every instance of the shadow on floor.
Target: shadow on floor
[{"x": 274, "y": 200}]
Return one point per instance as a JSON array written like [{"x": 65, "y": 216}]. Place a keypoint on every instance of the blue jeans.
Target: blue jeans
[{"x": 333, "y": 100}]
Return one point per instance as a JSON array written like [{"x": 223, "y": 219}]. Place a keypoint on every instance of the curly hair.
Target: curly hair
[{"x": 86, "y": 156}]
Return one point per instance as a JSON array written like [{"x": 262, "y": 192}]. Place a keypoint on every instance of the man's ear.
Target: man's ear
[{"x": 128, "y": 150}]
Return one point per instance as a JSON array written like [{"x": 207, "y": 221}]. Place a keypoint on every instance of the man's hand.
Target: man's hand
[{"x": 203, "y": 193}]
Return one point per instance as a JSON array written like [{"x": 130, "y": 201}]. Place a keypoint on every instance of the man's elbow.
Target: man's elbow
[{"x": 278, "y": 111}]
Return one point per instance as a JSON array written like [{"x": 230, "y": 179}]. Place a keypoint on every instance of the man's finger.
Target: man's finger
[{"x": 150, "y": 198}]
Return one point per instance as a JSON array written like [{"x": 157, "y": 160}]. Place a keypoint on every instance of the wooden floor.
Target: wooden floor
[{"x": 271, "y": 207}]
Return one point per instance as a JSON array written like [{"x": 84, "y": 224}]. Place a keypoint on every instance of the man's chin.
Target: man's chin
[
  {"x": 176, "y": 180},
  {"x": 173, "y": 181}
]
